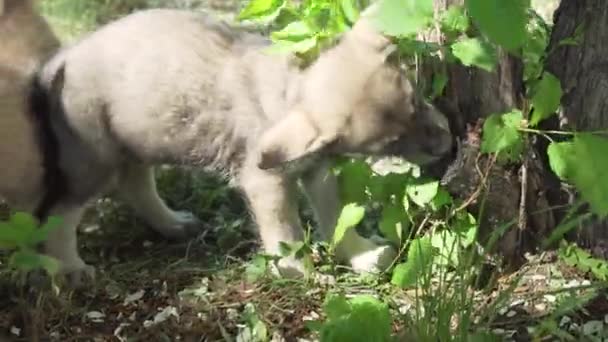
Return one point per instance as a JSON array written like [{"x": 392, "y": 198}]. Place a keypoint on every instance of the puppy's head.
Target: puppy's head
[{"x": 353, "y": 101}]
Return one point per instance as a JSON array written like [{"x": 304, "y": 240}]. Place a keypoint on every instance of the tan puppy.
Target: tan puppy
[
  {"x": 170, "y": 86},
  {"x": 26, "y": 41}
]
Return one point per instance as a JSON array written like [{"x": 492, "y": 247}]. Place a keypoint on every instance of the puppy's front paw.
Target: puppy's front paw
[
  {"x": 365, "y": 255},
  {"x": 72, "y": 277},
  {"x": 184, "y": 226},
  {"x": 80, "y": 277},
  {"x": 289, "y": 267},
  {"x": 374, "y": 260}
]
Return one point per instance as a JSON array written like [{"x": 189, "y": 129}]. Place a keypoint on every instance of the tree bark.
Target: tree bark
[
  {"x": 583, "y": 72},
  {"x": 470, "y": 96}
]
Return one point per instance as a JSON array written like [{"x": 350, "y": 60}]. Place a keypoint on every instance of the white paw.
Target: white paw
[
  {"x": 75, "y": 276},
  {"x": 183, "y": 226},
  {"x": 364, "y": 255},
  {"x": 289, "y": 267},
  {"x": 374, "y": 260},
  {"x": 78, "y": 277}
]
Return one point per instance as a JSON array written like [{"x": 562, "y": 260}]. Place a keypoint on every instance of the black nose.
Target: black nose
[{"x": 437, "y": 141}]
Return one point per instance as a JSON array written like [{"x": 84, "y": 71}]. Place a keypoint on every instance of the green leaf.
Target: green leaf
[
  {"x": 353, "y": 179},
  {"x": 402, "y": 17},
  {"x": 365, "y": 319},
  {"x": 336, "y": 306},
  {"x": 501, "y": 135},
  {"x": 27, "y": 260},
  {"x": 447, "y": 247},
  {"x": 454, "y": 20},
  {"x": 583, "y": 163},
  {"x": 413, "y": 47},
  {"x": 383, "y": 187},
  {"x": 475, "y": 52},
  {"x": 394, "y": 222},
  {"x": 419, "y": 259},
  {"x": 256, "y": 9},
  {"x": 466, "y": 227},
  {"x": 285, "y": 46},
  {"x": 576, "y": 257},
  {"x": 502, "y": 21},
  {"x": 422, "y": 192},
  {"x": 440, "y": 200},
  {"x": 350, "y": 216},
  {"x": 546, "y": 98},
  {"x": 256, "y": 268},
  {"x": 350, "y": 10},
  {"x": 561, "y": 158},
  {"x": 440, "y": 80},
  {"x": 295, "y": 31},
  {"x": 21, "y": 231}
]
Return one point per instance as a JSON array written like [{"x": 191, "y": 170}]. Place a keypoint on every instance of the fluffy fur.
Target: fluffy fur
[
  {"x": 27, "y": 41},
  {"x": 170, "y": 86}
]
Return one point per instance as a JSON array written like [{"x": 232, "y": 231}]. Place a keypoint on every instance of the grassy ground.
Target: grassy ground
[{"x": 149, "y": 289}]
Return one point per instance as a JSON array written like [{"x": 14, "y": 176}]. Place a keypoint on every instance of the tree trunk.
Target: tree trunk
[
  {"x": 583, "y": 72},
  {"x": 471, "y": 95}
]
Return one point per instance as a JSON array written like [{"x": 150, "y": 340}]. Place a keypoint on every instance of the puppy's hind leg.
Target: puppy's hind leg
[
  {"x": 137, "y": 187},
  {"x": 363, "y": 255},
  {"x": 62, "y": 244}
]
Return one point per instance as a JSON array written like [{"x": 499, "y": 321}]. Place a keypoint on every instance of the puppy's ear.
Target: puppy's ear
[{"x": 294, "y": 137}]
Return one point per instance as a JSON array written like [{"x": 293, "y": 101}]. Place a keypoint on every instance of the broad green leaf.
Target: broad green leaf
[
  {"x": 336, "y": 306},
  {"x": 534, "y": 49},
  {"x": 447, "y": 247},
  {"x": 256, "y": 268},
  {"x": 503, "y": 22},
  {"x": 350, "y": 216},
  {"x": 19, "y": 231},
  {"x": 27, "y": 260},
  {"x": 301, "y": 46},
  {"x": 546, "y": 98},
  {"x": 366, "y": 319},
  {"x": 295, "y": 31},
  {"x": 576, "y": 257},
  {"x": 454, "y": 20},
  {"x": 475, "y": 52},
  {"x": 350, "y": 10},
  {"x": 419, "y": 259},
  {"x": 41, "y": 234},
  {"x": 259, "y": 8},
  {"x": 561, "y": 158},
  {"x": 583, "y": 163},
  {"x": 501, "y": 134},
  {"x": 422, "y": 193},
  {"x": 414, "y": 46},
  {"x": 466, "y": 227},
  {"x": 440, "y": 80},
  {"x": 353, "y": 179},
  {"x": 440, "y": 200},
  {"x": 402, "y": 17},
  {"x": 394, "y": 222},
  {"x": 383, "y": 187}
]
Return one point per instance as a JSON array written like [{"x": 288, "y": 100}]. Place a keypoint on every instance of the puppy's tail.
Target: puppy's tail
[{"x": 42, "y": 105}]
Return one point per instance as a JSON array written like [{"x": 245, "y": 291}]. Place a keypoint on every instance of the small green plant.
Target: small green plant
[
  {"x": 20, "y": 235},
  {"x": 363, "y": 318}
]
